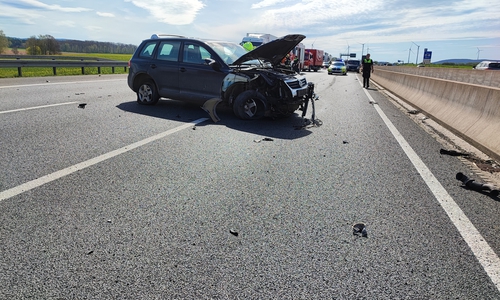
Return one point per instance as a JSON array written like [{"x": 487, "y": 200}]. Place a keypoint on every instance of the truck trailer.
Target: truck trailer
[{"x": 313, "y": 60}]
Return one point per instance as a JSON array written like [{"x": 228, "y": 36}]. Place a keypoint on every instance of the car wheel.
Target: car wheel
[
  {"x": 147, "y": 93},
  {"x": 249, "y": 105}
]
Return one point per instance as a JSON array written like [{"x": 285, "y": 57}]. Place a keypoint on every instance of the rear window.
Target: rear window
[
  {"x": 494, "y": 65},
  {"x": 147, "y": 50},
  {"x": 353, "y": 62}
]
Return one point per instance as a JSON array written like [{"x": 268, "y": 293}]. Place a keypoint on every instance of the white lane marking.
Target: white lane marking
[
  {"x": 35, "y": 107},
  {"x": 80, "y": 166},
  {"x": 52, "y": 83},
  {"x": 481, "y": 249}
]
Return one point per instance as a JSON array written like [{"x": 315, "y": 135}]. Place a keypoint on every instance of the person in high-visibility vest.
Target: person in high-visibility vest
[
  {"x": 248, "y": 46},
  {"x": 367, "y": 68}
]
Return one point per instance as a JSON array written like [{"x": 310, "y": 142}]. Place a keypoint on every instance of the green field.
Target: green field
[{"x": 43, "y": 71}]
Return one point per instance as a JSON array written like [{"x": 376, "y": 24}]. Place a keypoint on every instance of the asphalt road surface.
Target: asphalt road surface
[{"x": 121, "y": 201}]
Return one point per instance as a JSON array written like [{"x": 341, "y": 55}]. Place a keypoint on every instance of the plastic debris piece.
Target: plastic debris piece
[
  {"x": 82, "y": 105},
  {"x": 477, "y": 186},
  {"x": 359, "y": 229},
  {"x": 233, "y": 232},
  {"x": 452, "y": 153}
]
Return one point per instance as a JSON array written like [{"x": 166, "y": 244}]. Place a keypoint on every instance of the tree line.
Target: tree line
[{"x": 48, "y": 45}]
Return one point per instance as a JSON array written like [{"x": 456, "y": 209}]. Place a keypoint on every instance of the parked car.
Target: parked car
[
  {"x": 353, "y": 65},
  {"x": 253, "y": 83},
  {"x": 337, "y": 67},
  {"x": 488, "y": 65}
]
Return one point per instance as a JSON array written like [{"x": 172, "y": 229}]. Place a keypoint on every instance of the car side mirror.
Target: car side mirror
[{"x": 214, "y": 64}]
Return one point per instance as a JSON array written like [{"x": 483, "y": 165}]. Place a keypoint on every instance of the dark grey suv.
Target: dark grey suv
[
  {"x": 254, "y": 84},
  {"x": 353, "y": 65}
]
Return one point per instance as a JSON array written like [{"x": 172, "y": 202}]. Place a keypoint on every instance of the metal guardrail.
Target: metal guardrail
[{"x": 54, "y": 64}]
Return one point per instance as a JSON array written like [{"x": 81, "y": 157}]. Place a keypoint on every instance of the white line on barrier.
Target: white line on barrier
[
  {"x": 80, "y": 166},
  {"x": 35, "y": 107},
  {"x": 481, "y": 249}
]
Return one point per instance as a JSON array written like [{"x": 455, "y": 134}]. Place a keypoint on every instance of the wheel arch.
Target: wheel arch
[{"x": 140, "y": 78}]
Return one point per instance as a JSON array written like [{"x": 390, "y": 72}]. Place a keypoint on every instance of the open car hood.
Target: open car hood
[{"x": 274, "y": 51}]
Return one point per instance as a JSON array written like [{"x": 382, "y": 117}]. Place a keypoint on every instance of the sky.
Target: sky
[{"x": 390, "y": 30}]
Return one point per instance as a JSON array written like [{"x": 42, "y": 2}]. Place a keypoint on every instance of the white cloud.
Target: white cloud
[
  {"x": 174, "y": 12},
  {"x": 66, "y": 24},
  {"x": 103, "y": 14},
  {"x": 20, "y": 15},
  {"x": 94, "y": 28},
  {"x": 266, "y": 3},
  {"x": 38, "y": 4}
]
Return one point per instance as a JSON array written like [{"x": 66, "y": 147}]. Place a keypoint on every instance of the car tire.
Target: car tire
[
  {"x": 147, "y": 94},
  {"x": 249, "y": 105}
]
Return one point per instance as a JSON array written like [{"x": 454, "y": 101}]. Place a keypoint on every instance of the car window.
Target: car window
[
  {"x": 229, "y": 52},
  {"x": 494, "y": 65},
  {"x": 148, "y": 50},
  {"x": 195, "y": 54},
  {"x": 169, "y": 50}
]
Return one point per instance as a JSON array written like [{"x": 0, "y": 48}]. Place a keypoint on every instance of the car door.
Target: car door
[
  {"x": 164, "y": 68},
  {"x": 198, "y": 81}
]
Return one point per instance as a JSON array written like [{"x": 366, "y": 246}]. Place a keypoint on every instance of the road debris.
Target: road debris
[
  {"x": 264, "y": 139},
  {"x": 452, "y": 152},
  {"x": 359, "y": 229},
  {"x": 82, "y": 105},
  {"x": 477, "y": 186},
  {"x": 233, "y": 232},
  {"x": 210, "y": 107}
]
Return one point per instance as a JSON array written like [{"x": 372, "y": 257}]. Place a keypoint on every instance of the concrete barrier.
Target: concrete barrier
[
  {"x": 471, "y": 111},
  {"x": 481, "y": 77}
]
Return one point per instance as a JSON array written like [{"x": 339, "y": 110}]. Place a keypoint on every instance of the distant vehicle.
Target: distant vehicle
[
  {"x": 337, "y": 67},
  {"x": 313, "y": 60},
  {"x": 208, "y": 72},
  {"x": 488, "y": 65},
  {"x": 258, "y": 39},
  {"x": 326, "y": 64},
  {"x": 353, "y": 65}
]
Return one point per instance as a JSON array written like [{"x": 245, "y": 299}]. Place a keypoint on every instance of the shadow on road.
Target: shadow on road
[{"x": 283, "y": 128}]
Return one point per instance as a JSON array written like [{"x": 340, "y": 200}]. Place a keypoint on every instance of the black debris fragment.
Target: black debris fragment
[
  {"x": 452, "y": 152},
  {"x": 233, "y": 232},
  {"x": 345, "y": 142},
  {"x": 359, "y": 229},
  {"x": 82, "y": 105},
  {"x": 264, "y": 139},
  {"x": 477, "y": 186},
  {"x": 414, "y": 112},
  {"x": 90, "y": 252}
]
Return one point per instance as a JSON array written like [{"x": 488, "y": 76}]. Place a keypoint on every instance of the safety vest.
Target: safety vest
[{"x": 367, "y": 61}]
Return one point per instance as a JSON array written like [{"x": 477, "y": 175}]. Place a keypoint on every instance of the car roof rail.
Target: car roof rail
[{"x": 160, "y": 35}]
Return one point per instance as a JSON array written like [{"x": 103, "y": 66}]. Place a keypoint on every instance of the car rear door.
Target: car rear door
[
  {"x": 164, "y": 68},
  {"x": 198, "y": 81}
]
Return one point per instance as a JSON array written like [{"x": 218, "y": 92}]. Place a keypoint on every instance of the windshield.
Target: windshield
[
  {"x": 338, "y": 64},
  {"x": 230, "y": 52}
]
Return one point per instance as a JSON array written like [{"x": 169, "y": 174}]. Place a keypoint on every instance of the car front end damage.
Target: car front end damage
[
  {"x": 280, "y": 93},
  {"x": 258, "y": 85}
]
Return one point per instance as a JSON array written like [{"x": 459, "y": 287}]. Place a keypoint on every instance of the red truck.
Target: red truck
[{"x": 313, "y": 59}]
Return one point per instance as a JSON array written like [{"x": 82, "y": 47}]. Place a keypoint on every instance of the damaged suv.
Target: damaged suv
[{"x": 255, "y": 84}]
